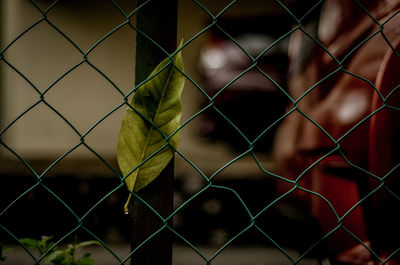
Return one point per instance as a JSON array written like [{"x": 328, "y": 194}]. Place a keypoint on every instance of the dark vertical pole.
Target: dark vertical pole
[{"x": 158, "y": 20}]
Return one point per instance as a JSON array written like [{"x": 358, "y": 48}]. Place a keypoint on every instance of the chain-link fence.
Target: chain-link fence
[{"x": 289, "y": 131}]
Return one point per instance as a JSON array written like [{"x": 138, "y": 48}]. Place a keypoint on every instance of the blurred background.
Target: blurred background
[{"x": 43, "y": 60}]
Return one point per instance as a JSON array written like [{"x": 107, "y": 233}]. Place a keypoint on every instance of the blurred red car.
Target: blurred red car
[{"x": 334, "y": 145}]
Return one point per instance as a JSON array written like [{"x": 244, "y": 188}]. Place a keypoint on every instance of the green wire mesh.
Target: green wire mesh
[{"x": 251, "y": 222}]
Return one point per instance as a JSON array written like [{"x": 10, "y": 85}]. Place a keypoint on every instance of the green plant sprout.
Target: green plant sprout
[{"x": 56, "y": 256}]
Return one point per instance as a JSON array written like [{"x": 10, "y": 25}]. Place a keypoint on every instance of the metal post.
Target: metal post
[{"x": 158, "y": 20}]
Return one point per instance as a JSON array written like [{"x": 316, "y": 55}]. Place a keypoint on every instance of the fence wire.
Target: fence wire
[{"x": 340, "y": 108}]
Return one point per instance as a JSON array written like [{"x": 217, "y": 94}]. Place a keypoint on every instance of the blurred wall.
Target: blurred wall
[{"x": 84, "y": 96}]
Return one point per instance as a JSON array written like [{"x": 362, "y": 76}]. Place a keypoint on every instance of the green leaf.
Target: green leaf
[
  {"x": 87, "y": 243},
  {"x": 85, "y": 260},
  {"x": 158, "y": 100},
  {"x": 30, "y": 243},
  {"x": 56, "y": 257}
]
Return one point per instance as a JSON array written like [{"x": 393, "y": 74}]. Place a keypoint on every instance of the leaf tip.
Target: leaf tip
[{"x": 126, "y": 206}]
